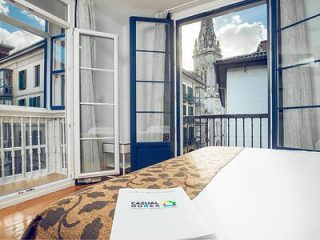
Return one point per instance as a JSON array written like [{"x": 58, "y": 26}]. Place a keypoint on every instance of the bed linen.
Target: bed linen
[
  {"x": 265, "y": 194},
  {"x": 88, "y": 213}
]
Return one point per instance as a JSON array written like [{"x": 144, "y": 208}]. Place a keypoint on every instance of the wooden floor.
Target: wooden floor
[
  {"x": 30, "y": 183},
  {"x": 15, "y": 219}
]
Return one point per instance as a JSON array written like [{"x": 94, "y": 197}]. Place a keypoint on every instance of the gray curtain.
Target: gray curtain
[
  {"x": 299, "y": 125},
  {"x": 90, "y": 149}
]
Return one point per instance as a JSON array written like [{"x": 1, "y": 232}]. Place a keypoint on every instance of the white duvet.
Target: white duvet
[{"x": 265, "y": 195}]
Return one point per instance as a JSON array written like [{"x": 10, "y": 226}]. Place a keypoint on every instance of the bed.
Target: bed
[{"x": 258, "y": 194}]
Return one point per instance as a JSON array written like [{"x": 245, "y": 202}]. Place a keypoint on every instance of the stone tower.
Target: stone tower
[{"x": 206, "y": 52}]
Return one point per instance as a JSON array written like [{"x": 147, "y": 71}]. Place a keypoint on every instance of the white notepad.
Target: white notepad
[{"x": 157, "y": 214}]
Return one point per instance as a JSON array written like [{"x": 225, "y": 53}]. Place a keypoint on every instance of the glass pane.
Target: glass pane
[
  {"x": 7, "y": 163},
  {"x": 96, "y": 52},
  {"x": 17, "y": 134},
  {"x": 300, "y": 43},
  {"x": 152, "y": 66},
  {"x": 55, "y": 7},
  {"x": 6, "y": 131},
  {"x": 28, "y": 164},
  {"x": 43, "y": 158},
  {"x": 153, "y": 127},
  {"x": 97, "y": 155},
  {"x": 43, "y": 133},
  {"x": 153, "y": 97},
  {"x": 35, "y": 159},
  {"x": 295, "y": 11},
  {"x": 96, "y": 121},
  {"x": 299, "y": 128},
  {"x": 34, "y": 132},
  {"x": 58, "y": 54},
  {"x": 301, "y": 86},
  {"x": 58, "y": 89},
  {"x": 21, "y": 15},
  {"x": 96, "y": 86},
  {"x": 151, "y": 36},
  {"x": 18, "y": 162}
]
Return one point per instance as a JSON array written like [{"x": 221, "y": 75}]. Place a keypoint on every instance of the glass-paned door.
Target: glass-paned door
[
  {"x": 296, "y": 68},
  {"x": 151, "y": 102},
  {"x": 96, "y": 103}
]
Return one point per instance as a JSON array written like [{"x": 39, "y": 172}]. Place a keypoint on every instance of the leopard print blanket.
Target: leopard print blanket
[{"x": 88, "y": 213}]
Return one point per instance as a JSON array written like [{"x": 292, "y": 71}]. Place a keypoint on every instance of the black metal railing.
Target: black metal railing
[{"x": 246, "y": 130}]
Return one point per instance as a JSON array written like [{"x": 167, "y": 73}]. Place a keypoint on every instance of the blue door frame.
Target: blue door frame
[
  {"x": 144, "y": 154},
  {"x": 53, "y": 72}
]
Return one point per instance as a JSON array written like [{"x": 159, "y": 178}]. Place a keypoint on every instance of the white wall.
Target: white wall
[
  {"x": 247, "y": 93},
  {"x": 106, "y": 24},
  {"x": 121, "y": 27},
  {"x": 247, "y": 90},
  {"x": 197, "y": 8}
]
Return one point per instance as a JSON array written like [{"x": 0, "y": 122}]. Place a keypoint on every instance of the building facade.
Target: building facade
[
  {"x": 193, "y": 105},
  {"x": 26, "y": 70}
]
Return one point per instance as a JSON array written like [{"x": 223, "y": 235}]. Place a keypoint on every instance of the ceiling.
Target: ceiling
[{"x": 121, "y": 10}]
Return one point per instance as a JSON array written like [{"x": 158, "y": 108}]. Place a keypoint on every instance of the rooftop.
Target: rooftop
[
  {"x": 23, "y": 51},
  {"x": 193, "y": 75},
  {"x": 256, "y": 56}
]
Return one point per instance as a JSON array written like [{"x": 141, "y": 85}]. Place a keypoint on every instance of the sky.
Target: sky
[
  {"x": 238, "y": 32},
  {"x": 12, "y": 35}
]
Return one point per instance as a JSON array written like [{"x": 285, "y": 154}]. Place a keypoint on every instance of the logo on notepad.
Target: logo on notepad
[
  {"x": 169, "y": 203},
  {"x": 153, "y": 204},
  {"x": 145, "y": 204}
]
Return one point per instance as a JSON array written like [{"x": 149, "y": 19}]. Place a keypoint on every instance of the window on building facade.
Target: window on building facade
[
  {"x": 34, "y": 102},
  {"x": 5, "y": 86},
  {"x": 23, "y": 80},
  {"x": 37, "y": 76},
  {"x": 22, "y": 102},
  {"x": 205, "y": 76},
  {"x": 5, "y": 102},
  {"x": 298, "y": 85},
  {"x": 190, "y": 110},
  {"x": 190, "y": 91}
]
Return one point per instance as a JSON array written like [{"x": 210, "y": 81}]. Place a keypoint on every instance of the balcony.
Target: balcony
[
  {"x": 188, "y": 98},
  {"x": 6, "y": 91},
  {"x": 245, "y": 130},
  {"x": 32, "y": 148}
]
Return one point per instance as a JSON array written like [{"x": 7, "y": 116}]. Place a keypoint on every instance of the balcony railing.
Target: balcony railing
[
  {"x": 188, "y": 98},
  {"x": 246, "y": 130},
  {"x": 5, "y": 91},
  {"x": 32, "y": 143}
]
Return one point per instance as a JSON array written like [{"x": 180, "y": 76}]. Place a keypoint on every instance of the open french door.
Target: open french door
[
  {"x": 96, "y": 103},
  {"x": 151, "y": 91}
]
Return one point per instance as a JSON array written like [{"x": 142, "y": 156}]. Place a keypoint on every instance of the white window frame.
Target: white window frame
[
  {"x": 76, "y": 107},
  {"x": 45, "y": 15},
  {"x": 68, "y": 26}
]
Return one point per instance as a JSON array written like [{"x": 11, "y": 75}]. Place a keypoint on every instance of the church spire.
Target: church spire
[{"x": 207, "y": 40}]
